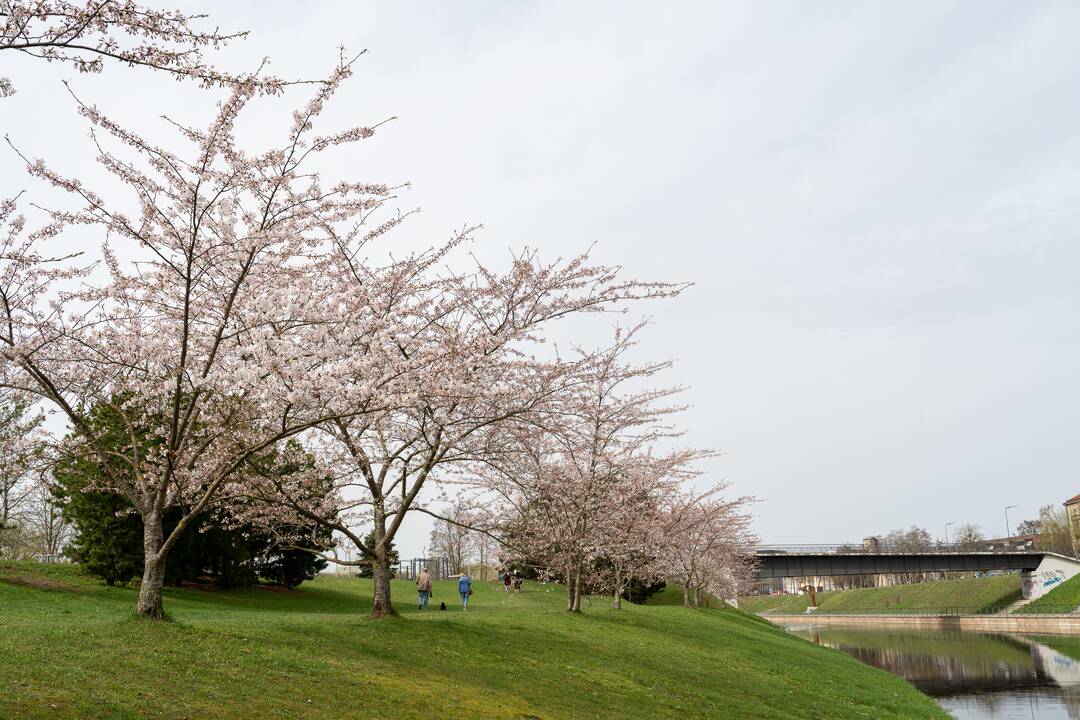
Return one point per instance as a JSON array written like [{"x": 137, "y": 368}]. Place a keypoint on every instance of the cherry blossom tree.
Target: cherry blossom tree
[
  {"x": 634, "y": 544},
  {"x": 85, "y": 34},
  {"x": 708, "y": 544},
  {"x": 216, "y": 340},
  {"x": 460, "y": 374},
  {"x": 451, "y": 538},
  {"x": 581, "y": 483}
]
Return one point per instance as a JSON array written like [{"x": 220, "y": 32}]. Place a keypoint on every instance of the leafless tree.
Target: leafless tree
[
  {"x": 488, "y": 550},
  {"x": 45, "y": 525},
  {"x": 1053, "y": 529},
  {"x": 452, "y": 539},
  {"x": 21, "y": 452},
  {"x": 968, "y": 536}
]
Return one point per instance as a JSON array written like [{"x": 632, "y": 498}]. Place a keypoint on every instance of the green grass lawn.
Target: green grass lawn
[
  {"x": 974, "y": 595},
  {"x": 73, "y": 648},
  {"x": 1062, "y": 599}
]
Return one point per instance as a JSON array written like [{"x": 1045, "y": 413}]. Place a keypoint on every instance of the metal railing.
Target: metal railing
[
  {"x": 886, "y": 548},
  {"x": 439, "y": 567},
  {"x": 1041, "y": 609},
  {"x": 938, "y": 611}
]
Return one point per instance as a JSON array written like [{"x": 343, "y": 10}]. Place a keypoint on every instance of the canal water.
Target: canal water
[{"x": 971, "y": 675}]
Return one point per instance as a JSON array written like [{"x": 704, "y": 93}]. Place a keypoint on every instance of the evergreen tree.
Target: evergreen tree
[
  {"x": 286, "y": 566},
  {"x": 392, "y": 556},
  {"x": 639, "y": 592},
  {"x": 109, "y": 535}
]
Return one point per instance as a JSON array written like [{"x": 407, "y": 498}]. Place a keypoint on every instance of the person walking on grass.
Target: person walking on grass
[
  {"x": 423, "y": 588},
  {"x": 464, "y": 586},
  {"x": 506, "y": 582}
]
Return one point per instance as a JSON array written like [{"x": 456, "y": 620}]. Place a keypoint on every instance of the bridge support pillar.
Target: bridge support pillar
[{"x": 1052, "y": 571}]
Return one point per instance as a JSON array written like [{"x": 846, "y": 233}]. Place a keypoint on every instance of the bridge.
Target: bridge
[{"x": 1040, "y": 570}]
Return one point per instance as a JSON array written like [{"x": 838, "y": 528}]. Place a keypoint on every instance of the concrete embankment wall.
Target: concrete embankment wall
[{"x": 1025, "y": 624}]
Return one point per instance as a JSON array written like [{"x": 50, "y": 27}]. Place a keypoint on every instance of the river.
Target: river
[{"x": 974, "y": 676}]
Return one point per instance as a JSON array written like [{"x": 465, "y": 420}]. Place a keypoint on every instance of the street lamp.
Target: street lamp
[
  {"x": 947, "y": 532},
  {"x": 1008, "y": 532}
]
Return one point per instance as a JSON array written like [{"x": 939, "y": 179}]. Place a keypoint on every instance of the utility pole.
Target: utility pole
[
  {"x": 947, "y": 532},
  {"x": 1008, "y": 532}
]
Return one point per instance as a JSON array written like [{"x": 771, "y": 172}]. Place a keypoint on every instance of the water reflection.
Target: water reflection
[{"x": 972, "y": 675}]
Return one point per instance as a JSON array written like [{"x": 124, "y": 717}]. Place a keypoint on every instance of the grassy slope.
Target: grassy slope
[
  {"x": 71, "y": 648},
  {"x": 984, "y": 593},
  {"x": 1062, "y": 599},
  {"x": 672, "y": 595}
]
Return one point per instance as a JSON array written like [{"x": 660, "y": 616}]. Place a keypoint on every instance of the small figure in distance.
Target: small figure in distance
[
  {"x": 517, "y": 582},
  {"x": 464, "y": 586},
  {"x": 442, "y": 605},
  {"x": 423, "y": 588},
  {"x": 506, "y": 582}
]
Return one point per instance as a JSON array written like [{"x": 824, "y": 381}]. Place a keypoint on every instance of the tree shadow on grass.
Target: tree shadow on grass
[
  {"x": 319, "y": 600},
  {"x": 40, "y": 583}
]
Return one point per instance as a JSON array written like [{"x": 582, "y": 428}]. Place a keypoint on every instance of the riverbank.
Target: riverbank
[
  {"x": 72, "y": 648},
  {"x": 974, "y": 676},
  {"x": 1021, "y": 624},
  {"x": 969, "y": 595}
]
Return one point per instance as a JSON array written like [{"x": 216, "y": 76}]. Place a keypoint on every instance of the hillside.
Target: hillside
[
  {"x": 969, "y": 595},
  {"x": 72, "y": 648}
]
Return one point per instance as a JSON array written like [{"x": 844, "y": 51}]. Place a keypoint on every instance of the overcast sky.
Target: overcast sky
[{"x": 877, "y": 206}]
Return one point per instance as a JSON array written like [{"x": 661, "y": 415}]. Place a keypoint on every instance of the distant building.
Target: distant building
[
  {"x": 1014, "y": 543},
  {"x": 1072, "y": 509}
]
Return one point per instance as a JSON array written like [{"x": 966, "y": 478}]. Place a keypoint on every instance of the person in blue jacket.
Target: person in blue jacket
[{"x": 464, "y": 586}]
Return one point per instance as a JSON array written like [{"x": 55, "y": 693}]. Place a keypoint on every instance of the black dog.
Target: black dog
[{"x": 442, "y": 606}]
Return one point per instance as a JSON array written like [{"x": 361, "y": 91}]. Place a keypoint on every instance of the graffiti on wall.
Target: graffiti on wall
[{"x": 1041, "y": 582}]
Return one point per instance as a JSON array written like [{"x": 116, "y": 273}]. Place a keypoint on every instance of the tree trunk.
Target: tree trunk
[
  {"x": 618, "y": 591},
  {"x": 380, "y": 568},
  {"x": 380, "y": 573},
  {"x": 686, "y": 594},
  {"x": 151, "y": 603},
  {"x": 569, "y": 588},
  {"x": 576, "y": 604}
]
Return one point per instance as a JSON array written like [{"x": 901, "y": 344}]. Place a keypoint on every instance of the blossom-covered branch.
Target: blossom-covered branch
[{"x": 86, "y": 34}]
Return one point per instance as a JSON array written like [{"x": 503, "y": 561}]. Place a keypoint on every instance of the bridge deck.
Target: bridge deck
[{"x": 810, "y": 564}]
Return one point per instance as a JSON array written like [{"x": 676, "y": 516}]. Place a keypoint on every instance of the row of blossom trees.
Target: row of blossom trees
[
  {"x": 582, "y": 488},
  {"x": 239, "y": 303}
]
